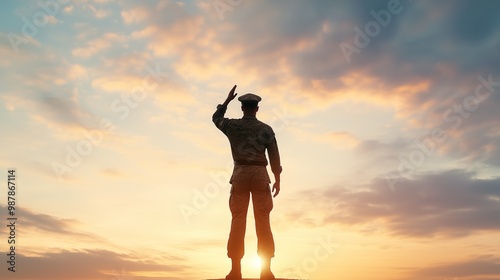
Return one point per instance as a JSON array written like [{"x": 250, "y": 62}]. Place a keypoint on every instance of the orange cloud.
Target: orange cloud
[
  {"x": 342, "y": 139},
  {"x": 137, "y": 14},
  {"x": 99, "y": 44}
]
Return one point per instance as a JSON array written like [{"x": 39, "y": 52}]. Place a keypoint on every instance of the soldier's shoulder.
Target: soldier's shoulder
[
  {"x": 265, "y": 124},
  {"x": 265, "y": 128}
]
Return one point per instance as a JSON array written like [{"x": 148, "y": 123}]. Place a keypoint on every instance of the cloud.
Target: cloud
[
  {"x": 480, "y": 267},
  {"x": 112, "y": 172},
  {"x": 472, "y": 23},
  {"x": 94, "y": 265},
  {"x": 338, "y": 139},
  {"x": 50, "y": 262},
  {"x": 69, "y": 9},
  {"x": 62, "y": 110},
  {"x": 342, "y": 139},
  {"x": 116, "y": 82},
  {"x": 77, "y": 71},
  {"x": 100, "y": 13},
  {"x": 44, "y": 86},
  {"x": 445, "y": 204},
  {"x": 176, "y": 38},
  {"x": 421, "y": 64},
  {"x": 48, "y": 224},
  {"x": 136, "y": 14},
  {"x": 380, "y": 148},
  {"x": 94, "y": 46}
]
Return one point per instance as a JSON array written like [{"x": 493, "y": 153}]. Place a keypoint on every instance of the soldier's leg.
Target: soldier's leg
[
  {"x": 238, "y": 204},
  {"x": 262, "y": 205}
]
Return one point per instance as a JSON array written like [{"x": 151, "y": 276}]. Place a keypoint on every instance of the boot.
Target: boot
[
  {"x": 235, "y": 273},
  {"x": 265, "y": 273}
]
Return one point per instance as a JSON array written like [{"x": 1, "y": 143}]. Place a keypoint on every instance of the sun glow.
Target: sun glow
[{"x": 256, "y": 263}]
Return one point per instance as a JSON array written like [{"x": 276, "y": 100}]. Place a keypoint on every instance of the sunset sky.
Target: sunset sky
[{"x": 386, "y": 114}]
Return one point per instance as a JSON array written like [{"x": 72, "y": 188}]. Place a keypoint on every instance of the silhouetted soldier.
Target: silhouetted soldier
[{"x": 249, "y": 139}]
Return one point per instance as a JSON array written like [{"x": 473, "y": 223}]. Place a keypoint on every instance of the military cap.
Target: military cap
[{"x": 249, "y": 98}]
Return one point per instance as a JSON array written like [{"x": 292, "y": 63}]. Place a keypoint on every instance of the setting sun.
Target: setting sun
[{"x": 256, "y": 263}]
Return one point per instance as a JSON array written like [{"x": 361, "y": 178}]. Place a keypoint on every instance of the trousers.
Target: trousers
[{"x": 250, "y": 181}]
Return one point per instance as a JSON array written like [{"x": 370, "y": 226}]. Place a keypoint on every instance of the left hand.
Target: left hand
[{"x": 276, "y": 188}]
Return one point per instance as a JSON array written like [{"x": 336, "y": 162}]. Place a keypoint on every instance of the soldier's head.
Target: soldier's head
[
  {"x": 249, "y": 107},
  {"x": 249, "y": 103}
]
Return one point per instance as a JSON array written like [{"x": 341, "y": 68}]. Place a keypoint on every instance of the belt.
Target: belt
[{"x": 250, "y": 162}]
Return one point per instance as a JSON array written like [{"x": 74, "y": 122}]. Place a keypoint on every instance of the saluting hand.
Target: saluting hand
[{"x": 231, "y": 95}]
